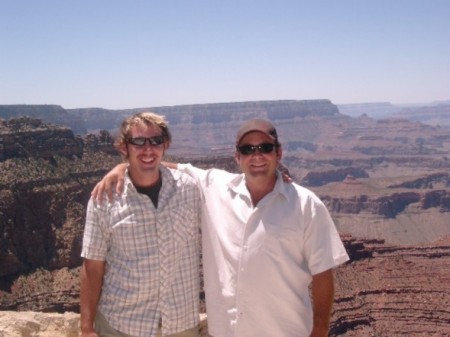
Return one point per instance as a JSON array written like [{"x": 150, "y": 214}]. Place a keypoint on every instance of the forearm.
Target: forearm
[
  {"x": 170, "y": 164},
  {"x": 91, "y": 280},
  {"x": 322, "y": 298}
]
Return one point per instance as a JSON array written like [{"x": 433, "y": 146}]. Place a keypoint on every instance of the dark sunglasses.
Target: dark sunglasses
[
  {"x": 251, "y": 149},
  {"x": 140, "y": 141}
]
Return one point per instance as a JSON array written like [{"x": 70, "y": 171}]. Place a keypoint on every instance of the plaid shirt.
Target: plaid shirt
[{"x": 152, "y": 256}]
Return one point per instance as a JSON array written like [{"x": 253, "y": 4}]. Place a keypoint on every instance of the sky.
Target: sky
[{"x": 146, "y": 53}]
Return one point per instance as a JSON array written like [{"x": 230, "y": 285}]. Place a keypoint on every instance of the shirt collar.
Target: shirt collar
[
  {"x": 238, "y": 186},
  {"x": 168, "y": 177}
]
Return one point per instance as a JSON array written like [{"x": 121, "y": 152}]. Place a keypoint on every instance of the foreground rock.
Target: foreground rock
[{"x": 39, "y": 324}]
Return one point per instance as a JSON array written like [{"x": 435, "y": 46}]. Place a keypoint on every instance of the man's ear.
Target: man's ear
[
  {"x": 237, "y": 157},
  {"x": 123, "y": 149}
]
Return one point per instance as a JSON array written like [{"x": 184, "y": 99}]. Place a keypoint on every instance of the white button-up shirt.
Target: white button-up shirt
[
  {"x": 152, "y": 256},
  {"x": 258, "y": 261}
]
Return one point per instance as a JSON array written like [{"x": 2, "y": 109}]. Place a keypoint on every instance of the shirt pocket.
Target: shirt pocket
[
  {"x": 184, "y": 223},
  {"x": 279, "y": 238},
  {"x": 134, "y": 239}
]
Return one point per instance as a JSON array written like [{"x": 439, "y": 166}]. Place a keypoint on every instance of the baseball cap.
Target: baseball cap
[{"x": 260, "y": 125}]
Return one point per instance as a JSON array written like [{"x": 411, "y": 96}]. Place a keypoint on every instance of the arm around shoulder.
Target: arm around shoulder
[
  {"x": 170, "y": 165},
  {"x": 115, "y": 177}
]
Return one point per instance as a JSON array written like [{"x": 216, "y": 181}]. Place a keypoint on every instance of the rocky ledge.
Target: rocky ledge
[{"x": 39, "y": 324}]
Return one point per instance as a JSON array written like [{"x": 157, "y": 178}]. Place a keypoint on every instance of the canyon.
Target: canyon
[{"x": 385, "y": 181}]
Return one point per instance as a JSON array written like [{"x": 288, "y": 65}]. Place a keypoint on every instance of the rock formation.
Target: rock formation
[
  {"x": 27, "y": 137},
  {"x": 53, "y": 114},
  {"x": 393, "y": 291},
  {"x": 43, "y": 194}
]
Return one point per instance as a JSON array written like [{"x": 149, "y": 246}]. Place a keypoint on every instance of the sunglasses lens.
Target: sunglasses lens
[
  {"x": 250, "y": 149},
  {"x": 265, "y": 148},
  {"x": 139, "y": 141},
  {"x": 157, "y": 140},
  {"x": 247, "y": 149}
]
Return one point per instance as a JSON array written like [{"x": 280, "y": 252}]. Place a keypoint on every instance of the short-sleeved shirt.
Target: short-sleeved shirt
[
  {"x": 152, "y": 256},
  {"x": 258, "y": 261}
]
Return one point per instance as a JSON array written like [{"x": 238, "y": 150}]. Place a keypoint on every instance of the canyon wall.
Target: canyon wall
[{"x": 385, "y": 182}]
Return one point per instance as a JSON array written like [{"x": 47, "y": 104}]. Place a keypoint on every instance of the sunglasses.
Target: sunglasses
[
  {"x": 251, "y": 149},
  {"x": 140, "y": 141}
]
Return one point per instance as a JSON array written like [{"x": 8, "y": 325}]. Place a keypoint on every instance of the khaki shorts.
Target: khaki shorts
[{"x": 103, "y": 329}]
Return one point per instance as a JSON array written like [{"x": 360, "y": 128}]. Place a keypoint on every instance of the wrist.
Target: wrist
[{"x": 87, "y": 327}]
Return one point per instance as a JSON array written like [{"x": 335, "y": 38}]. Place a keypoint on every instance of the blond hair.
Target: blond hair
[{"x": 148, "y": 119}]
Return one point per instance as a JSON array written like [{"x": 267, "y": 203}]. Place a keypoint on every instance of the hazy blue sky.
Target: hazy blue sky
[{"x": 134, "y": 53}]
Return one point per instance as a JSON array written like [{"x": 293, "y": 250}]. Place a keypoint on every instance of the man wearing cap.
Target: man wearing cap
[{"x": 265, "y": 242}]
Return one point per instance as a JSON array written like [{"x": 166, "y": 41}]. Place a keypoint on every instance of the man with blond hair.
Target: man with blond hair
[{"x": 140, "y": 273}]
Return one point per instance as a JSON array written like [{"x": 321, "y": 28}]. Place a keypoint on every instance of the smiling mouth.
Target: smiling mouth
[
  {"x": 258, "y": 165},
  {"x": 148, "y": 160}
]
